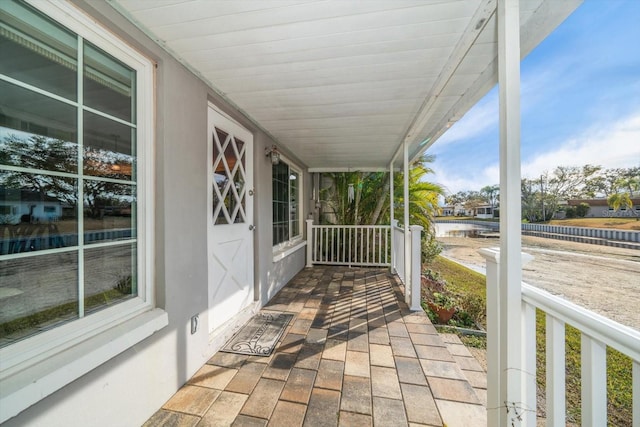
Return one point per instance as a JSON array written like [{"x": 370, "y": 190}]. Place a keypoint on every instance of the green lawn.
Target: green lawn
[{"x": 468, "y": 283}]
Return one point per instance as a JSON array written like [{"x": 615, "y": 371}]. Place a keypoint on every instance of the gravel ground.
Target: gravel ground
[{"x": 603, "y": 279}]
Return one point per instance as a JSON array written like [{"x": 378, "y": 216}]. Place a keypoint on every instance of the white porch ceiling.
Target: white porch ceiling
[{"x": 342, "y": 83}]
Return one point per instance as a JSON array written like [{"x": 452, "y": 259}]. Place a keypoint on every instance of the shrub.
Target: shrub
[
  {"x": 570, "y": 212},
  {"x": 431, "y": 248},
  {"x": 582, "y": 209}
]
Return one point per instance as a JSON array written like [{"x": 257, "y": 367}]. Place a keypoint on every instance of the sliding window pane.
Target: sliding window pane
[
  {"x": 38, "y": 293},
  {"x": 36, "y": 131},
  {"x": 109, "y": 211},
  {"x": 110, "y": 276},
  {"x": 109, "y": 85},
  {"x": 109, "y": 149},
  {"x": 38, "y": 212},
  {"x": 37, "y": 51}
]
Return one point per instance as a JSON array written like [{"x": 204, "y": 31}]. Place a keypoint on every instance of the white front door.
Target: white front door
[{"x": 230, "y": 218}]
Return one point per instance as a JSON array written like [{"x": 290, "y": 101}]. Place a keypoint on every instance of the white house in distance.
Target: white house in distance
[
  {"x": 599, "y": 208},
  {"x": 201, "y": 97},
  {"x": 484, "y": 211},
  {"x": 20, "y": 206}
]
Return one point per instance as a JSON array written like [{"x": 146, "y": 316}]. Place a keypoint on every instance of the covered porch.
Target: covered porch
[{"x": 354, "y": 354}]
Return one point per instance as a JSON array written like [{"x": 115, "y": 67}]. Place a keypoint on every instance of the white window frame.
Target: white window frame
[
  {"x": 33, "y": 368},
  {"x": 285, "y": 248}
]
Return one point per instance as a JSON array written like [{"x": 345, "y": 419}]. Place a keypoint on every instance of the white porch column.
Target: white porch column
[
  {"x": 407, "y": 241},
  {"x": 392, "y": 267},
  {"x": 310, "y": 243},
  {"x": 498, "y": 369},
  {"x": 510, "y": 267},
  {"x": 416, "y": 266}
]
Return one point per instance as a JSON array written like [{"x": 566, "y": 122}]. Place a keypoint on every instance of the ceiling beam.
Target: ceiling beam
[{"x": 477, "y": 23}]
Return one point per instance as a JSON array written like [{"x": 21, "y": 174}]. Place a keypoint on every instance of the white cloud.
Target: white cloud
[
  {"x": 612, "y": 146},
  {"x": 471, "y": 180}
]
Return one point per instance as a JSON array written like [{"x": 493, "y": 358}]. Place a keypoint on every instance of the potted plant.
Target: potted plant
[{"x": 444, "y": 306}]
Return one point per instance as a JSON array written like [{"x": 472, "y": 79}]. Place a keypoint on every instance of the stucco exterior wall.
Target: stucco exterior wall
[{"x": 129, "y": 388}]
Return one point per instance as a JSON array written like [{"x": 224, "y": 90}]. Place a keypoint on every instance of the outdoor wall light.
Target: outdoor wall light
[{"x": 273, "y": 153}]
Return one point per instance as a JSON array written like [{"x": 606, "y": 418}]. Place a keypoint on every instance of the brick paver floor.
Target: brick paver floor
[{"x": 354, "y": 355}]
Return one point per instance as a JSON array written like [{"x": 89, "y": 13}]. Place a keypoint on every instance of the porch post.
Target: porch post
[
  {"x": 407, "y": 241},
  {"x": 310, "y": 243},
  {"x": 392, "y": 268},
  {"x": 497, "y": 368},
  {"x": 416, "y": 266},
  {"x": 510, "y": 266},
  {"x": 495, "y": 417}
]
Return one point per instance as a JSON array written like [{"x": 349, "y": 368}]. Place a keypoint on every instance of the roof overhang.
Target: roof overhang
[{"x": 343, "y": 84}]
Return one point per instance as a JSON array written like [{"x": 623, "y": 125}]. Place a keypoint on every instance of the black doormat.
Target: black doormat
[{"x": 260, "y": 335}]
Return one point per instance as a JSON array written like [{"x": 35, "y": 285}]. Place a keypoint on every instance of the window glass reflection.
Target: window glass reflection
[
  {"x": 37, "y": 212},
  {"x": 33, "y": 302},
  {"x": 109, "y": 211},
  {"x": 37, "y": 51},
  {"x": 108, "y": 84},
  {"x": 108, "y": 148},
  {"x": 36, "y": 132},
  {"x": 229, "y": 198},
  {"x": 294, "y": 185},
  {"x": 110, "y": 276}
]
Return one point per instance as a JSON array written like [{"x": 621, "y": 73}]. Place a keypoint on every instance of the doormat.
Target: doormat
[{"x": 260, "y": 335}]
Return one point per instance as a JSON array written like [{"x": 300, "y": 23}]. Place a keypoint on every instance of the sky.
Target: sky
[{"x": 580, "y": 103}]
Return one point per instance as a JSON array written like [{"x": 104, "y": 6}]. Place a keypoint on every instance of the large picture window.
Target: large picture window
[
  {"x": 72, "y": 170},
  {"x": 286, "y": 208}
]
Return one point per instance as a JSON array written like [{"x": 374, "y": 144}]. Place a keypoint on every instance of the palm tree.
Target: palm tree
[
  {"x": 620, "y": 200},
  {"x": 371, "y": 196}
]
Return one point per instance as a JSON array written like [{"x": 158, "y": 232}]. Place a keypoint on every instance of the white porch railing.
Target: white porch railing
[
  {"x": 353, "y": 245},
  {"x": 398, "y": 250},
  {"x": 369, "y": 246},
  {"x": 597, "y": 333}
]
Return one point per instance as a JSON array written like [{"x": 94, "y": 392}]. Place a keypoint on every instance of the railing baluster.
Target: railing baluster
[
  {"x": 361, "y": 245},
  {"x": 368, "y": 241},
  {"x": 379, "y": 248},
  {"x": 314, "y": 250},
  {"x": 635, "y": 379},
  {"x": 338, "y": 231},
  {"x": 529, "y": 361},
  {"x": 555, "y": 380},
  {"x": 341, "y": 245},
  {"x": 323, "y": 245},
  {"x": 332, "y": 244},
  {"x": 594, "y": 382},
  {"x": 350, "y": 259}
]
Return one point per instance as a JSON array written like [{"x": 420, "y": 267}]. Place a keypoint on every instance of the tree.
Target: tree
[
  {"x": 56, "y": 155},
  {"x": 530, "y": 201},
  {"x": 371, "y": 202},
  {"x": 491, "y": 193},
  {"x": 620, "y": 201},
  {"x": 630, "y": 180}
]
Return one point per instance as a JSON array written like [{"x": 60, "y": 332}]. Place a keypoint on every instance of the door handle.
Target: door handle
[{"x": 252, "y": 227}]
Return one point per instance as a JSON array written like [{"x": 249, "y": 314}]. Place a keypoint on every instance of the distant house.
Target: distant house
[
  {"x": 447, "y": 211},
  {"x": 599, "y": 208},
  {"x": 28, "y": 206},
  {"x": 484, "y": 212}
]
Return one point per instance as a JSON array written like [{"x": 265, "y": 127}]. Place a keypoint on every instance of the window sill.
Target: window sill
[
  {"x": 35, "y": 382},
  {"x": 287, "y": 250}
]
